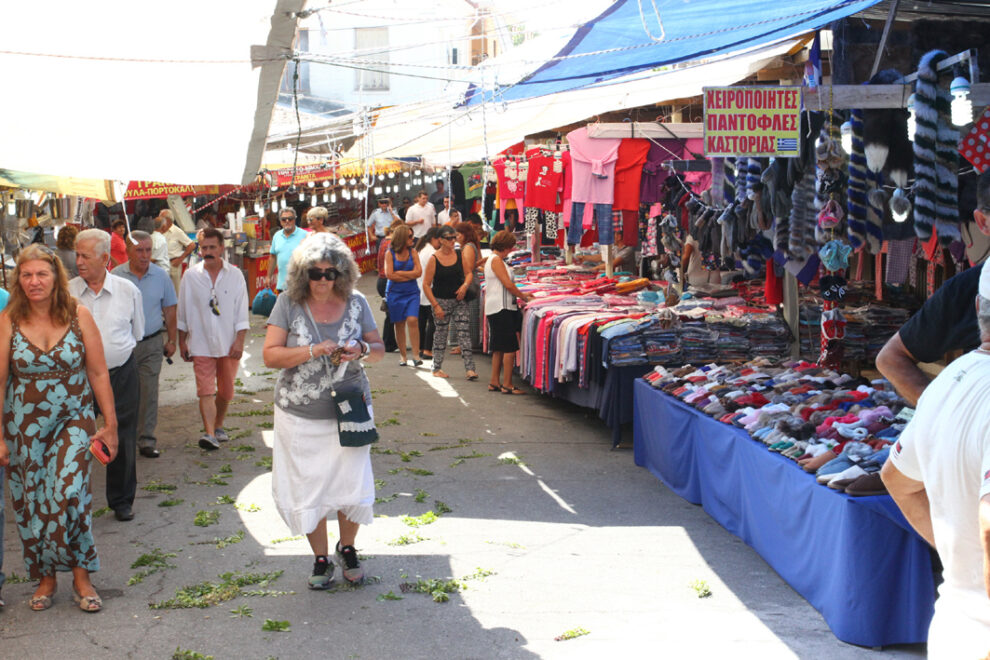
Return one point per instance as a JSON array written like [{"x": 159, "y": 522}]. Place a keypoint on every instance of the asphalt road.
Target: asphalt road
[{"x": 548, "y": 531}]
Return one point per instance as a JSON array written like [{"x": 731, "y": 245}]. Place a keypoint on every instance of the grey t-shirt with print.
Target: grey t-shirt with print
[{"x": 305, "y": 390}]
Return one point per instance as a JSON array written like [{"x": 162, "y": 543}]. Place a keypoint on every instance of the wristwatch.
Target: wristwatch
[{"x": 365, "y": 349}]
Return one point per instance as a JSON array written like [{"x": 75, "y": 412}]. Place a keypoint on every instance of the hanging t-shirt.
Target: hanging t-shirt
[
  {"x": 565, "y": 195},
  {"x": 593, "y": 167},
  {"x": 474, "y": 182},
  {"x": 629, "y": 173},
  {"x": 509, "y": 184},
  {"x": 544, "y": 180},
  {"x": 651, "y": 187},
  {"x": 946, "y": 446}
]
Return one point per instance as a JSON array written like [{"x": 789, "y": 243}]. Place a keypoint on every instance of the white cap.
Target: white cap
[{"x": 985, "y": 279}]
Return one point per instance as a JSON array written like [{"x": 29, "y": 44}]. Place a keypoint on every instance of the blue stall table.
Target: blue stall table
[{"x": 855, "y": 559}]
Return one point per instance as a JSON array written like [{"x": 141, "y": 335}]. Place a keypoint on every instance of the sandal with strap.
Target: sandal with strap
[
  {"x": 494, "y": 388},
  {"x": 512, "y": 390},
  {"x": 87, "y": 603},
  {"x": 41, "y": 603}
]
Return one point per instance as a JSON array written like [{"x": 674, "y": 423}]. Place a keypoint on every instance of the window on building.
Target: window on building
[
  {"x": 371, "y": 45},
  {"x": 453, "y": 56}
]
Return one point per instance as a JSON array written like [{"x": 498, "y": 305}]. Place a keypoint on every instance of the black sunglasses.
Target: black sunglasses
[
  {"x": 446, "y": 237},
  {"x": 317, "y": 274}
]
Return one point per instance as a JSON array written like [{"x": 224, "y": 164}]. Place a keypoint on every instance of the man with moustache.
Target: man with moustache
[
  {"x": 119, "y": 314},
  {"x": 212, "y": 322}
]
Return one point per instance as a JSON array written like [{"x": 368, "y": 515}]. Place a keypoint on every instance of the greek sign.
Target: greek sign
[
  {"x": 155, "y": 189},
  {"x": 305, "y": 173},
  {"x": 752, "y": 121}
]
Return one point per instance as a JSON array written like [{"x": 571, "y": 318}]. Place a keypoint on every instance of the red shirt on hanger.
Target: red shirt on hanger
[
  {"x": 544, "y": 180},
  {"x": 509, "y": 184},
  {"x": 629, "y": 173}
]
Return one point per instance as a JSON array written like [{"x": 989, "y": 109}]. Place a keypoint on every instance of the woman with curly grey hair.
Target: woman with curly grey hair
[{"x": 319, "y": 333}]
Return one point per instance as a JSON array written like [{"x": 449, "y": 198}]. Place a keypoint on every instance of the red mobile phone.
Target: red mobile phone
[{"x": 99, "y": 449}]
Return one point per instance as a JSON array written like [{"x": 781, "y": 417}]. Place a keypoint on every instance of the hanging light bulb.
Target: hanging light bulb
[
  {"x": 311, "y": 184},
  {"x": 406, "y": 174},
  {"x": 353, "y": 182},
  {"x": 962, "y": 104},
  {"x": 326, "y": 197},
  {"x": 326, "y": 183},
  {"x": 419, "y": 172},
  {"x": 381, "y": 177},
  {"x": 391, "y": 175},
  {"x": 846, "y": 130},
  {"x": 242, "y": 212},
  {"x": 283, "y": 203},
  {"x": 408, "y": 186},
  {"x": 333, "y": 198},
  {"x": 274, "y": 206},
  {"x": 912, "y": 122},
  {"x": 257, "y": 207}
]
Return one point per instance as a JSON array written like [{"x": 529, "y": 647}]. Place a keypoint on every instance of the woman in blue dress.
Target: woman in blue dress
[
  {"x": 51, "y": 360},
  {"x": 402, "y": 269}
]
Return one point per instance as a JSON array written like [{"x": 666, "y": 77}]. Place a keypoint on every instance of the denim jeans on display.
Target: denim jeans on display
[{"x": 602, "y": 222}]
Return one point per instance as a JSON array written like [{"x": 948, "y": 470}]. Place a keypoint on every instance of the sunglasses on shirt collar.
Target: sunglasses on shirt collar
[{"x": 329, "y": 274}]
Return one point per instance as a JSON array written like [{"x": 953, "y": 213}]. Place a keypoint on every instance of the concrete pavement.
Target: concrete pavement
[{"x": 549, "y": 531}]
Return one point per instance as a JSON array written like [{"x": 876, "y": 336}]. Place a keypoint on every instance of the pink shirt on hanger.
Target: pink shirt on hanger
[{"x": 593, "y": 167}]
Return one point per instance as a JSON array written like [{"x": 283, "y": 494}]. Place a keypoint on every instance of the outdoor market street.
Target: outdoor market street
[{"x": 575, "y": 536}]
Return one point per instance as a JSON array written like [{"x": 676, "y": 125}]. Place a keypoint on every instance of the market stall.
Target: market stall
[{"x": 855, "y": 559}]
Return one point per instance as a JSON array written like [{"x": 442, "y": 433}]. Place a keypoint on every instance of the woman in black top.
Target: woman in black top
[{"x": 445, "y": 283}]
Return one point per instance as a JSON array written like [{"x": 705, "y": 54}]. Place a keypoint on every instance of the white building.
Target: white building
[{"x": 369, "y": 45}]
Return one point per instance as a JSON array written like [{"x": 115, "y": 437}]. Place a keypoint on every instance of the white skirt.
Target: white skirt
[{"x": 313, "y": 477}]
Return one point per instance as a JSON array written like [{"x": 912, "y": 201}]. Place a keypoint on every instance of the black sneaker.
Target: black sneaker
[
  {"x": 322, "y": 576},
  {"x": 349, "y": 564}
]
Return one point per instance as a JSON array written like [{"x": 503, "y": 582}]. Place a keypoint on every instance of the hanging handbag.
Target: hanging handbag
[{"x": 355, "y": 426}]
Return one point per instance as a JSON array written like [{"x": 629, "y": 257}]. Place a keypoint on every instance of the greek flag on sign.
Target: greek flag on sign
[{"x": 787, "y": 144}]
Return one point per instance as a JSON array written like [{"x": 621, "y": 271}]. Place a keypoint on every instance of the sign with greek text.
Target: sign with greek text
[
  {"x": 753, "y": 121},
  {"x": 316, "y": 173},
  {"x": 156, "y": 189}
]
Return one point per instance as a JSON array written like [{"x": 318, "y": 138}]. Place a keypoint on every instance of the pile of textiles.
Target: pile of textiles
[{"x": 831, "y": 424}]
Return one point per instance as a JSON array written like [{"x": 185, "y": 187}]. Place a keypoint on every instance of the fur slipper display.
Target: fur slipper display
[
  {"x": 857, "y": 202},
  {"x": 936, "y": 199}
]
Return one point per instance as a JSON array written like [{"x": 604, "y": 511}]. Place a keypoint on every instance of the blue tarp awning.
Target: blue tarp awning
[{"x": 638, "y": 35}]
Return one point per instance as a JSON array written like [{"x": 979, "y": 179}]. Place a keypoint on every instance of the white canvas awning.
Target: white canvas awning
[
  {"x": 180, "y": 92},
  {"x": 460, "y": 135}
]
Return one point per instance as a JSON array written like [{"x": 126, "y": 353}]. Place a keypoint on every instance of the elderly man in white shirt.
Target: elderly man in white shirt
[
  {"x": 118, "y": 311},
  {"x": 212, "y": 321},
  {"x": 159, "y": 246},
  {"x": 179, "y": 245}
]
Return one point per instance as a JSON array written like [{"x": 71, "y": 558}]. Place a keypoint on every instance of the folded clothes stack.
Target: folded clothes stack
[{"x": 831, "y": 424}]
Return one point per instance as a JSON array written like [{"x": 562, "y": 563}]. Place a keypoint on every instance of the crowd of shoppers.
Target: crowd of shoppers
[{"x": 97, "y": 336}]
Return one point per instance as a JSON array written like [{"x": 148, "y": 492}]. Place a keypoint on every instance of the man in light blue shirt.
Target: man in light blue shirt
[
  {"x": 380, "y": 220},
  {"x": 284, "y": 242},
  {"x": 159, "y": 302}
]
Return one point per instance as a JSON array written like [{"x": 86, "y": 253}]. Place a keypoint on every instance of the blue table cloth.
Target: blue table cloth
[{"x": 855, "y": 559}]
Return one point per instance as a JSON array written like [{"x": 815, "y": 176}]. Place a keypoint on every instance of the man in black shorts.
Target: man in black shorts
[{"x": 946, "y": 322}]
